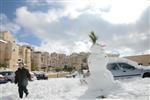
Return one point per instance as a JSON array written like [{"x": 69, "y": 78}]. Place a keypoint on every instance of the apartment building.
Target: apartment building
[
  {"x": 25, "y": 52},
  {"x": 9, "y": 50},
  {"x": 36, "y": 60}
]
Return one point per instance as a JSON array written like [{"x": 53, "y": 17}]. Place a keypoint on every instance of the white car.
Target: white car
[
  {"x": 33, "y": 77},
  {"x": 124, "y": 69},
  {"x": 9, "y": 75},
  {"x": 40, "y": 75},
  {"x": 73, "y": 75},
  {"x": 3, "y": 79}
]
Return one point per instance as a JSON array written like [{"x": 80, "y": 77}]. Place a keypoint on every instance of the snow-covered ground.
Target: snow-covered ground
[{"x": 71, "y": 89}]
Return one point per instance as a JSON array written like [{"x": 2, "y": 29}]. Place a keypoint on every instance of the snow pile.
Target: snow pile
[
  {"x": 100, "y": 82},
  {"x": 71, "y": 89},
  {"x": 53, "y": 89},
  {"x": 133, "y": 89}
]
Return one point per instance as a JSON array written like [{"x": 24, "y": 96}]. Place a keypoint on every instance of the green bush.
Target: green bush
[
  {"x": 34, "y": 68},
  {"x": 3, "y": 66},
  {"x": 68, "y": 68},
  {"x": 57, "y": 69}
]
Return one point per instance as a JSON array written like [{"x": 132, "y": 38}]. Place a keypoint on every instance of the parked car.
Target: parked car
[
  {"x": 33, "y": 77},
  {"x": 72, "y": 75},
  {"x": 40, "y": 75},
  {"x": 3, "y": 79},
  {"x": 9, "y": 75},
  {"x": 124, "y": 69}
]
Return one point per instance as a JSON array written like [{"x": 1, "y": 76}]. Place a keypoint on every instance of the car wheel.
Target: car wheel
[{"x": 146, "y": 74}]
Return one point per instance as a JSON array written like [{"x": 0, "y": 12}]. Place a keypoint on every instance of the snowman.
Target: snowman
[{"x": 101, "y": 81}]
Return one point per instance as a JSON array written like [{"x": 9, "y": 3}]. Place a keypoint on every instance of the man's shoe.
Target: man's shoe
[
  {"x": 21, "y": 97},
  {"x": 27, "y": 94}
]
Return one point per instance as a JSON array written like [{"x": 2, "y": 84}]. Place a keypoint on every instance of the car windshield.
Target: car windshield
[
  {"x": 112, "y": 66},
  {"x": 126, "y": 66},
  {"x": 6, "y": 73}
]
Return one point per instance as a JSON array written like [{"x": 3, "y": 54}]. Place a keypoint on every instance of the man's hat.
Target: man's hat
[{"x": 20, "y": 61}]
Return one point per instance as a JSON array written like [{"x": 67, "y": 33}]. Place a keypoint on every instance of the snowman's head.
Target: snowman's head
[{"x": 96, "y": 49}]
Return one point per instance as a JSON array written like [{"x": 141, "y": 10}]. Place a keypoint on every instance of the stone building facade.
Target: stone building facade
[
  {"x": 57, "y": 60},
  {"x": 7, "y": 36},
  {"x": 36, "y": 60},
  {"x": 141, "y": 59},
  {"x": 9, "y": 50},
  {"x": 2, "y": 51},
  {"x": 25, "y": 52},
  {"x": 45, "y": 60},
  {"x": 78, "y": 60}
]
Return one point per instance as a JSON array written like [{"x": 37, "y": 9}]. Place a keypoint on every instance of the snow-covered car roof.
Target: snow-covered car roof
[
  {"x": 1, "y": 76},
  {"x": 123, "y": 60}
]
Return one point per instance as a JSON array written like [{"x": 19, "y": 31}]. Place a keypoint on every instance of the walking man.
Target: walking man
[{"x": 22, "y": 76}]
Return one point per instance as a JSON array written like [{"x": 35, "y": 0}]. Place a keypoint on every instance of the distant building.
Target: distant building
[
  {"x": 78, "y": 61},
  {"x": 44, "y": 60},
  {"x": 9, "y": 50},
  {"x": 36, "y": 60},
  {"x": 141, "y": 59},
  {"x": 25, "y": 54},
  {"x": 7, "y": 36},
  {"x": 57, "y": 60},
  {"x": 2, "y": 51}
]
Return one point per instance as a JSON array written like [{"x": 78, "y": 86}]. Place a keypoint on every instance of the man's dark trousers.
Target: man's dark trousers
[{"x": 22, "y": 89}]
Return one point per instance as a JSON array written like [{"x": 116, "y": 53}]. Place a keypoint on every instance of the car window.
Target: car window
[
  {"x": 6, "y": 73},
  {"x": 112, "y": 66},
  {"x": 3, "y": 73},
  {"x": 9, "y": 73},
  {"x": 126, "y": 66}
]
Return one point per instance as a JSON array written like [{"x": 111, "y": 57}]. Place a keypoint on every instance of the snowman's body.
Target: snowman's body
[{"x": 101, "y": 80}]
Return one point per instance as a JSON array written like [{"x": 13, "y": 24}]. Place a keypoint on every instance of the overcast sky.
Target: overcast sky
[{"x": 63, "y": 26}]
